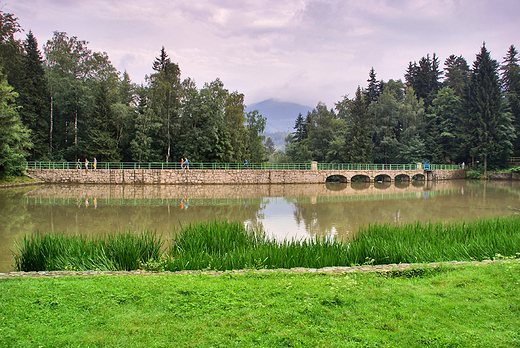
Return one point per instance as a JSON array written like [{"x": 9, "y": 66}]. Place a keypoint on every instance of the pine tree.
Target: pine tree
[
  {"x": 34, "y": 98},
  {"x": 371, "y": 94},
  {"x": 300, "y": 131},
  {"x": 165, "y": 86},
  {"x": 442, "y": 124},
  {"x": 424, "y": 78},
  {"x": 489, "y": 130},
  {"x": 511, "y": 89},
  {"x": 358, "y": 142},
  {"x": 457, "y": 73}
]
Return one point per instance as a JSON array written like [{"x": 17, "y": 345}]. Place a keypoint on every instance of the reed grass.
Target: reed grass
[
  {"x": 223, "y": 245},
  {"x": 51, "y": 252}
]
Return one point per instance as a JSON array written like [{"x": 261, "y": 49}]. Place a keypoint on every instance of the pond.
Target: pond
[{"x": 282, "y": 211}]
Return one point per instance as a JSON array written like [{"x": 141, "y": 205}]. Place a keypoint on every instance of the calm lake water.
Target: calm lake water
[{"x": 283, "y": 211}]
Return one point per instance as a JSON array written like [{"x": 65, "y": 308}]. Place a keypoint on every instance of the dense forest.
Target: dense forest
[{"x": 65, "y": 102}]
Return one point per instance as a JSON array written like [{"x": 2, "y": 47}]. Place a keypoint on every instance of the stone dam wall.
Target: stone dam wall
[{"x": 183, "y": 177}]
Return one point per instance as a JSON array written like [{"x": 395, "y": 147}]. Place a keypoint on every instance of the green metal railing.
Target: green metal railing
[{"x": 233, "y": 166}]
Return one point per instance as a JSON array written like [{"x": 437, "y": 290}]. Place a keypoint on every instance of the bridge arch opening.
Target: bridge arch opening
[
  {"x": 402, "y": 178},
  {"x": 419, "y": 177},
  {"x": 336, "y": 178},
  {"x": 383, "y": 178},
  {"x": 360, "y": 178}
]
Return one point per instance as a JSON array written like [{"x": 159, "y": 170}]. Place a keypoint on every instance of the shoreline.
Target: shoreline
[{"x": 383, "y": 269}]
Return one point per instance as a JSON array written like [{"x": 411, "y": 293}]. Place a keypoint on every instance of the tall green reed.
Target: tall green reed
[
  {"x": 49, "y": 252},
  {"x": 223, "y": 245}
]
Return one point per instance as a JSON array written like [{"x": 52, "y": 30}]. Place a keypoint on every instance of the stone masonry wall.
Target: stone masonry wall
[{"x": 151, "y": 176}]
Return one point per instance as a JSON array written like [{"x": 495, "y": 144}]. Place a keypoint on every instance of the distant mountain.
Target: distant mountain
[{"x": 280, "y": 116}]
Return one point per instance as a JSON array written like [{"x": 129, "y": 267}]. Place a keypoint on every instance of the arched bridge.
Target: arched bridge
[{"x": 225, "y": 173}]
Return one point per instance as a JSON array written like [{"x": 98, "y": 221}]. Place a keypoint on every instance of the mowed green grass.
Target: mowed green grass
[{"x": 464, "y": 306}]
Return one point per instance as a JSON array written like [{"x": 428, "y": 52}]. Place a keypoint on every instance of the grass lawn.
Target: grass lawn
[{"x": 465, "y": 306}]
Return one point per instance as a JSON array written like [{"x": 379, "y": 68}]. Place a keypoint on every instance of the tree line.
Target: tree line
[
  {"x": 456, "y": 115},
  {"x": 67, "y": 103}
]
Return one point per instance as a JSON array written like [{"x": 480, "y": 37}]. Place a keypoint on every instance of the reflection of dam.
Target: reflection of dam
[{"x": 228, "y": 194}]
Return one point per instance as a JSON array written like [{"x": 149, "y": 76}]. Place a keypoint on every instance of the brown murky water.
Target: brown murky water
[{"x": 284, "y": 211}]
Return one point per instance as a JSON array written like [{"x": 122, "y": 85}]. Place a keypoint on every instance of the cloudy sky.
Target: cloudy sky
[{"x": 292, "y": 50}]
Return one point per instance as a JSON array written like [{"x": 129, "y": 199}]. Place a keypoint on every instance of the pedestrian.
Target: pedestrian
[
  {"x": 186, "y": 163},
  {"x": 95, "y": 163},
  {"x": 86, "y": 164},
  {"x": 463, "y": 165},
  {"x": 78, "y": 164},
  {"x": 182, "y": 163},
  {"x": 245, "y": 164}
]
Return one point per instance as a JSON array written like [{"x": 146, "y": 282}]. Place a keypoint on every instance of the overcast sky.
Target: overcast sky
[{"x": 292, "y": 50}]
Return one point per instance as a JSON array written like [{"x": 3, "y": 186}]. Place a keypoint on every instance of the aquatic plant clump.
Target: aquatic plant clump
[
  {"x": 223, "y": 245},
  {"x": 120, "y": 252}
]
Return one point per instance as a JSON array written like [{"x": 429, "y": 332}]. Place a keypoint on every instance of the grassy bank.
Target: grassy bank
[
  {"x": 228, "y": 245},
  {"x": 16, "y": 180},
  {"x": 471, "y": 306}
]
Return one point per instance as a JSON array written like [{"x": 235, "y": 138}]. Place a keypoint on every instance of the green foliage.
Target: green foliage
[
  {"x": 255, "y": 126},
  {"x": 77, "y": 105},
  {"x": 14, "y": 137},
  {"x": 51, "y": 252},
  {"x": 358, "y": 142},
  {"x": 222, "y": 245},
  {"x": 487, "y": 127}
]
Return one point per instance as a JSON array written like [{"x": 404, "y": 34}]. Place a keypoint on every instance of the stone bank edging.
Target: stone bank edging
[{"x": 301, "y": 270}]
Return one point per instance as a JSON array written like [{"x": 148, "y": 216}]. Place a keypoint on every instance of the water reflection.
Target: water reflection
[{"x": 284, "y": 211}]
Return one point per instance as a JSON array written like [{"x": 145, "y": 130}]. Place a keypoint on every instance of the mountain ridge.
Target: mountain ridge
[{"x": 280, "y": 116}]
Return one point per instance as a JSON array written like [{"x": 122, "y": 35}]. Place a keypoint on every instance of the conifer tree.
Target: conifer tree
[
  {"x": 34, "y": 98},
  {"x": 358, "y": 142},
  {"x": 489, "y": 131},
  {"x": 511, "y": 89},
  {"x": 371, "y": 94},
  {"x": 300, "y": 131},
  {"x": 457, "y": 73}
]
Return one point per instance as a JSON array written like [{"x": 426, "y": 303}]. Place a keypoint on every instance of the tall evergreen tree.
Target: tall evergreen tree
[
  {"x": 300, "y": 129},
  {"x": 511, "y": 89},
  {"x": 385, "y": 115},
  {"x": 373, "y": 89},
  {"x": 424, "y": 78},
  {"x": 34, "y": 98},
  {"x": 489, "y": 129},
  {"x": 164, "y": 86},
  {"x": 457, "y": 73},
  {"x": 442, "y": 127},
  {"x": 358, "y": 142},
  {"x": 321, "y": 131},
  {"x": 412, "y": 147}
]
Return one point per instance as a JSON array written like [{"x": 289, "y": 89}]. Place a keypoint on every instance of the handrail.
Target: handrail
[{"x": 234, "y": 166}]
